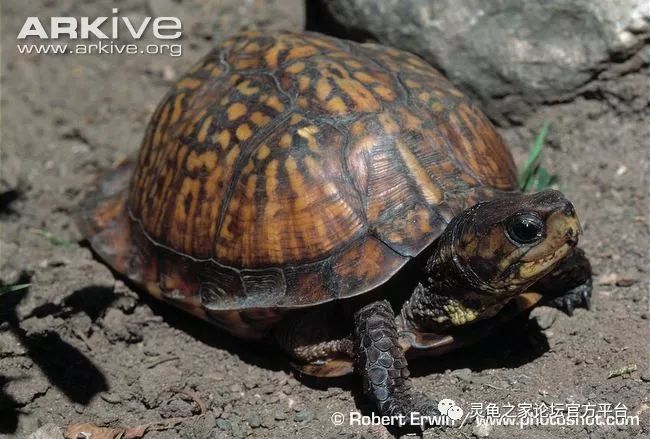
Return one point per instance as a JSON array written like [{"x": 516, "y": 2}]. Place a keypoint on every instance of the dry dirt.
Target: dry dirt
[{"x": 80, "y": 346}]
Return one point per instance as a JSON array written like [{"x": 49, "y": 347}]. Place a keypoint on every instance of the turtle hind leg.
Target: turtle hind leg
[
  {"x": 381, "y": 362},
  {"x": 317, "y": 341},
  {"x": 103, "y": 220}
]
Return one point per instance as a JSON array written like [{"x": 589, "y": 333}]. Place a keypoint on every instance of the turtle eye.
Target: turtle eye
[{"x": 525, "y": 228}]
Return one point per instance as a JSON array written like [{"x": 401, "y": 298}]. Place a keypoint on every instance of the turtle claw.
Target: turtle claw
[
  {"x": 578, "y": 297},
  {"x": 427, "y": 410},
  {"x": 417, "y": 405}
]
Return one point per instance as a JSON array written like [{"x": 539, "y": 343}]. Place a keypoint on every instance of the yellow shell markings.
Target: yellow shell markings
[
  {"x": 274, "y": 103},
  {"x": 183, "y": 209},
  {"x": 272, "y": 55},
  {"x": 163, "y": 148},
  {"x": 260, "y": 119},
  {"x": 273, "y": 245},
  {"x": 161, "y": 193},
  {"x": 323, "y": 89},
  {"x": 236, "y": 110},
  {"x": 430, "y": 190},
  {"x": 246, "y": 89},
  {"x": 205, "y": 165},
  {"x": 222, "y": 138},
  {"x": 189, "y": 217},
  {"x": 243, "y": 119},
  {"x": 263, "y": 152},
  {"x": 203, "y": 131},
  {"x": 243, "y": 132},
  {"x": 295, "y": 68},
  {"x": 388, "y": 188},
  {"x": 337, "y": 89},
  {"x": 295, "y": 118},
  {"x": 153, "y": 157},
  {"x": 307, "y": 133},
  {"x": 299, "y": 207},
  {"x": 478, "y": 147},
  {"x": 311, "y": 226},
  {"x": 304, "y": 82}
]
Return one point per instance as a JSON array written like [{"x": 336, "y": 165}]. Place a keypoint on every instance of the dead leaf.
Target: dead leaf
[
  {"x": 135, "y": 432},
  {"x": 92, "y": 431},
  {"x": 625, "y": 370}
]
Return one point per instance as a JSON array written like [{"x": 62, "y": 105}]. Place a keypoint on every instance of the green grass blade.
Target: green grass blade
[
  {"x": 531, "y": 166},
  {"x": 10, "y": 288},
  {"x": 54, "y": 240}
]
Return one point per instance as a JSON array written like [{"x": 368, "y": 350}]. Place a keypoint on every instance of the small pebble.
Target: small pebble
[
  {"x": 462, "y": 374},
  {"x": 224, "y": 424},
  {"x": 280, "y": 416},
  {"x": 545, "y": 316},
  {"x": 110, "y": 397},
  {"x": 303, "y": 416},
  {"x": 481, "y": 430},
  {"x": 254, "y": 421}
]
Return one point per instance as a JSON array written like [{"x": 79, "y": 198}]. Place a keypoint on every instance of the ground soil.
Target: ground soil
[{"x": 81, "y": 346}]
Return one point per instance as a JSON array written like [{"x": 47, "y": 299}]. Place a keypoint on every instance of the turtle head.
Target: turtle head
[
  {"x": 501, "y": 247},
  {"x": 489, "y": 254}
]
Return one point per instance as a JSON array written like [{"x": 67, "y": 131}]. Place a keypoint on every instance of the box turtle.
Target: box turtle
[{"x": 342, "y": 200}]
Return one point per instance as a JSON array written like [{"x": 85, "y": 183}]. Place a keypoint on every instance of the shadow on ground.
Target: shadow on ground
[{"x": 65, "y": 367}]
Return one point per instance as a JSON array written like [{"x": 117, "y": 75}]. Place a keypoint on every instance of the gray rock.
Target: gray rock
[
  {"x": 545, "y": 316},
  {"x": 224, "y": 424},
  {"x": 303, "y": 416},
  {"x": 254, "y": 420},
  {"x": 511, "y": 55},
  {"x": 481, "y": 430}
]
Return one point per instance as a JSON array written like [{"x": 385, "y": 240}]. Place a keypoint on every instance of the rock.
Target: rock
[
  {"x": 511, "y": 55},
  {"x": 48, "y": 431},
  {"x": 545, "y": 316},
  {"x": 224, "y": 424},
  {"x": 303, "y": 416},
  {"x": 118, "y": 328},
  {"x": 280, "y": 416},
  {"x": 481, "y": 430},
  {"x": 254, "y": 420},
  {"x": 625, "y": 279},
  {"x": 628, "y": 278},
  {"x": 464, "y": 374},
  {"x": 607, "y": 279}
]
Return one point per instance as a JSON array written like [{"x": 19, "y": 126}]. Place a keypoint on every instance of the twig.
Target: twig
[{"x": 161, "y": 361}]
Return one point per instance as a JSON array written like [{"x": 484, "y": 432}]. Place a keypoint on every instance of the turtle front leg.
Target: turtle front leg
[
  {"x": 569, "y": 285},
  {"x": 381, "y": 362}
]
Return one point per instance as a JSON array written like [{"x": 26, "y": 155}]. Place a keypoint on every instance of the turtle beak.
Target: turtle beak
[{"x": 564, "y": 224}]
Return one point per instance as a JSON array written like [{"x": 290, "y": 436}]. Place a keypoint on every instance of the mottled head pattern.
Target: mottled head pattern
[
  {"x": 298, "y": 168},
  {"x": 502, "y": 246}
]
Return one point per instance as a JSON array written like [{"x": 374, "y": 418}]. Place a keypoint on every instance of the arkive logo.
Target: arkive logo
[{"x": 103, "y": 28}]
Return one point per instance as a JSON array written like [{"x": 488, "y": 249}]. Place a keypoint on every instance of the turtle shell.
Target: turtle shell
[{"x": 288, "y": 170}]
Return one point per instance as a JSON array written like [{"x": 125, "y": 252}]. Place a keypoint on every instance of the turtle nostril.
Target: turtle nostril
[{"x": 571, "y": 237}]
